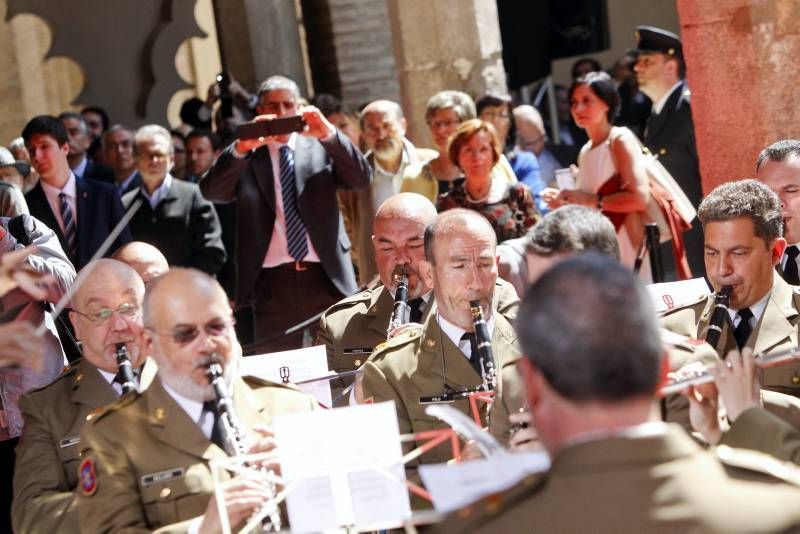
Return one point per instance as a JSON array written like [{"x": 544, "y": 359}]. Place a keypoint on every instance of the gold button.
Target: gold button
[
  {"x": 795, "y": 380},
  {"x": 357, "y": 363},
  {"x": 160, "y": 414},
  {"x": 165, "y": 492},
  {"x": 663, "y": 151},
  {"x": 430, "y": 342},
  {"x": 78, "y": 378}
]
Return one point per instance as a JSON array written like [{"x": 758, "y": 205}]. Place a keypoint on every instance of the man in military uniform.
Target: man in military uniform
[
  {"x": 429, "y": 360},
  {"x": 778, "y": 166},
  {"x": 146, "y": 457},
  {"x": 106, "y": 312},
  {"x": 592, "y": 395},
  {"x": 743, "y": 228},
  {"x": 353, "y": 327},
  {"x": 669, "y": 132}
]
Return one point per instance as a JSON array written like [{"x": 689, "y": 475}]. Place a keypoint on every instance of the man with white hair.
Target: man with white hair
[
  {"x": 532, "y": 137},
  {"x": 174, "y": 216}
]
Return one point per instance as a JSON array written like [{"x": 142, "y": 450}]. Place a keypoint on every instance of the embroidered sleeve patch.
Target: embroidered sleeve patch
[{"x": 88, "y": 477}]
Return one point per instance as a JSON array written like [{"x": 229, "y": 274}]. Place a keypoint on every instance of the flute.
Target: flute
[
  {"x": 721, "y": 304},
  {"x": 401, "y": 311},
  {"x": 703, "y": 374},
  {"x": 484, "y": 343},
  {"x": 233, "y": 432},
  {"x": 125, "y": 370}
]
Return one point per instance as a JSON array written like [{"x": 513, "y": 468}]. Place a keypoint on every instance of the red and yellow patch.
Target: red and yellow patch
[{"x": 88, "y": 478}]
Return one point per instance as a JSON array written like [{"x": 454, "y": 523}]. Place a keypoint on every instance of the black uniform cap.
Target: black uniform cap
[{"x": 650, "y": 39}]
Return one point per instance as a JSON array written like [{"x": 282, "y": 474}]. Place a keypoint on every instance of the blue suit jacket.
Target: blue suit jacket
[{"x": 99, "y": 210}]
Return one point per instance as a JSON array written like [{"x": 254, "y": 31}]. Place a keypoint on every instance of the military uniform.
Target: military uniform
[
  {"x": 776, "y": 330},
  {"x": 48, "y": 453},
  {"x": 146, "y": 462},
  {"x": 760, "y": 430},
  {"x": 409, "y": 366},
  {"x": 655, "y": 482},
  {"x": 353, "y": 327}
]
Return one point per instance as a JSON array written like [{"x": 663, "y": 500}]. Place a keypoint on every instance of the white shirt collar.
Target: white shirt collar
[
  {"x": 80, "y": 168},
  {"x": 757, "y": 309},
  {"x": 658, "y": 106},
  {"x": 160, "y": 192},
  {"x": 454, "y": 332},
  {"x": 193, "y": 408},
  {"x": 125, "y": 183},
  {"x": 276, "y": 146},
  {"x": 68, "y": 189}
]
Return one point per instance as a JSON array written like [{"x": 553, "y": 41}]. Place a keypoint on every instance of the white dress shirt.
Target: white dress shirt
[
  {"x": 756, "y": 309},
  {"x": 80, "y": 168},
  {"x": 160, "y": 192},
  {"x": 659, "y": 106},
  {"x": 455, "y": 332},
  {"x": 194, "y": 409},
  {"x": 55, "y": 203},
  {"x": 116, "y": 386}
]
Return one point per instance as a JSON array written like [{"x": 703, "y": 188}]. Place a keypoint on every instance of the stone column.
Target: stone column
[
  {"x": 741, "y": 60},
  {"x": 259, "y": 38},
  {"x": 444, "y": 44}
]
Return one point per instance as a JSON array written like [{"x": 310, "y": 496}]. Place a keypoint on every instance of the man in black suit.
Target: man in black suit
[
  {"x": 79, "y": 142},
  {"x": 174, "y": 217},
  {"x": 81, "y": 212},
  {"x": 669, "y": 133},
  {"x": 293, "y": 258},
  {"x": 117, "y": 145}
]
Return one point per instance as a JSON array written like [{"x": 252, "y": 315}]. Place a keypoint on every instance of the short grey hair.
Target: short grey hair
[
  {"x": 458, "y": 101},
  {"x": 275, "y": 83},
  {"x": 779, "y": 151},
  {"x": 115, "y": 128},
  {"x": 572, "y": 229},
  {"x": 150, "y": 131},
  {"x": 748, "y": 199}
]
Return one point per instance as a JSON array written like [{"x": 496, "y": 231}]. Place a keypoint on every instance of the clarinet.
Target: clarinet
[
  {"x": 124, "y": 369},
  {"x": 233, "y": 433},
  {"x": 700, "y": 374},
  {"x": 401, "y": 311},
  {"x": 721, "y": 303},
  {"x": 484, "y": 343}
]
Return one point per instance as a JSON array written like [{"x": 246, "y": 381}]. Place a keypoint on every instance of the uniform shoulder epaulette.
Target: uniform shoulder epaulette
[
  {"x": 101, "y": 412},
  {"x": 758, "y": 462},
  {"x": 691, "y": 304},
  {"x": 68, "y": 372},
  {"x": 410, "y": 333},
  {"x": 257, "y": 382},
  {"x": 494, "y": 504},
  {"x": 361, "y": 296}
]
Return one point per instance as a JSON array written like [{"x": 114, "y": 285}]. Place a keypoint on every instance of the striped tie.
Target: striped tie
[
  {"x": 69, "y": 225},
  {"x": 295, "y": 229}
]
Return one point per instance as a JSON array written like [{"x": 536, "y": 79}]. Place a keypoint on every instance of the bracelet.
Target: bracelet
[{"x": 600, "y": 202}]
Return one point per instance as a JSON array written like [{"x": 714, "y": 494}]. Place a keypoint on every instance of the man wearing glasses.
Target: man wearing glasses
[
  {"x": 106, "y": 313},
  {"x": 146, "y": 457}
]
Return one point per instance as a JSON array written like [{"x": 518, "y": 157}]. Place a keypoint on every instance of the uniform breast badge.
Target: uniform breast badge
[{"x": 88, "y": 477}]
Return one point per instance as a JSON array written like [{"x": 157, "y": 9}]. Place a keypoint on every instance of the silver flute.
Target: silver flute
[
  {"x": 703, "y": 374},
  {"x": 234, "y": 435}
]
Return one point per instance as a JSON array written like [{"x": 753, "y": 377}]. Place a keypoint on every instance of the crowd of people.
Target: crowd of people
[{"x": 194, "y": 247}]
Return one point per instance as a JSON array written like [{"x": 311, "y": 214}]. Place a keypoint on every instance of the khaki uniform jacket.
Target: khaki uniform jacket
[
  {"x": 776, "y": 330},
  {"x": 760, "y": 430},
  {"x": 353, "y": 327},
  {"x": 409, "y": 366},
  {"x": 654, "y": 483},
  {"x": 48, "y": 454},
  {"x": 151, "y": 461}
]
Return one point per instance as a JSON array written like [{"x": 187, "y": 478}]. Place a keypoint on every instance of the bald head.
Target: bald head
[
  {"x": 144, "y": 258},
  {"x": 176, "y": 290},
  {"x": 411, "y": 206},
  {"x": 457, "y": 221},
  {"x": 531, "y": 135},
  {"x": 106, "y": 311},
  {"x": 384, "y": 107}
]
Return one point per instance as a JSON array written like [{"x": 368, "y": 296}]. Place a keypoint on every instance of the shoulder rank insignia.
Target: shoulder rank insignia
[{"x": 88, "y": 477}]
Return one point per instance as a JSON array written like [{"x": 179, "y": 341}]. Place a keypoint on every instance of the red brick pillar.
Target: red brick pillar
[{"x": 741, "y": 58}]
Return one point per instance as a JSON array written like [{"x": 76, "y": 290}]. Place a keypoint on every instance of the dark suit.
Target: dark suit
[
  {"x": 183, "y": 226},
  {"x": 320, "y": 169},
  {"x": 98, "y": 173},
  {"x": 99, "y": 210},
  {"x": 670, "y": 136}
]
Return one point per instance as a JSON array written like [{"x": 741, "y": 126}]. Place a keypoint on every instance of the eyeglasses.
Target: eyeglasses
[
  {"x": 185, "y": 334},
  {"x": 435, "y": 125},
  {"x": 102, "y": 315},
  {"x": 494, "y": 115}
]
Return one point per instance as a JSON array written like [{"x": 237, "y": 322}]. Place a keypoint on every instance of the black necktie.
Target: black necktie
[
  {"x": 416, "y": 310},
  {"x": 790, "y": 273},
  {"x": 474, "y": 358},
  {"x": 69, "y": 225},
  {"x": 295, "y": 229},
  {"x": 743, "y": 331},
  {"x": 216, "y": 431}
]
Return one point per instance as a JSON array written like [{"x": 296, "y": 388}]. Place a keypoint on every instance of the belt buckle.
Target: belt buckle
[{"x": 298, "y": 266}]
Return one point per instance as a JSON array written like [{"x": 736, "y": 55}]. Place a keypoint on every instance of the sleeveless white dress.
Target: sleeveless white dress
[{"x": 596, "y": 167}]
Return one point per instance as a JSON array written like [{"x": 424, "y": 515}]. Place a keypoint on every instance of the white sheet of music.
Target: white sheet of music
[
  {"x": 343, "y": 466},
  {"x": 293, "y": 366},
  {"x": 454, "y": 486}
]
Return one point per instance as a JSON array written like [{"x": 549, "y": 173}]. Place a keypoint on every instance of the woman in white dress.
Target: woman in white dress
[{"x": 611, "y": 174}]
